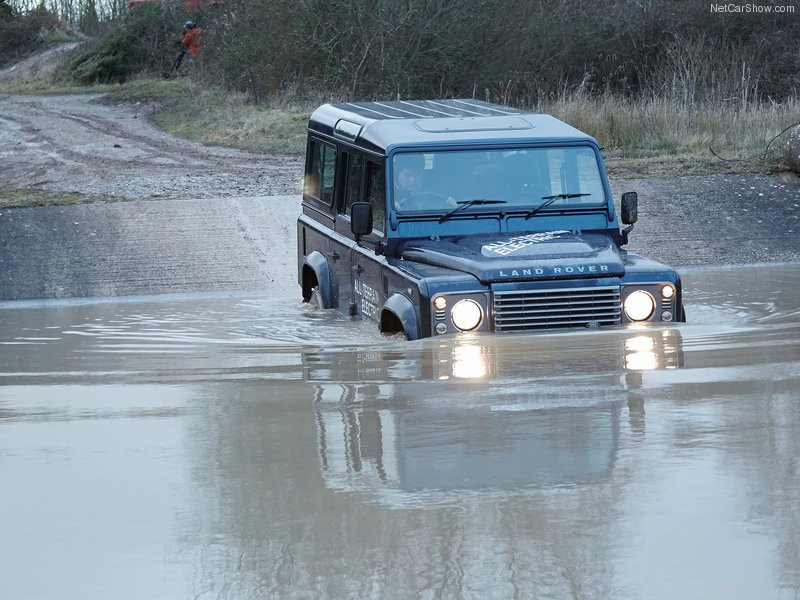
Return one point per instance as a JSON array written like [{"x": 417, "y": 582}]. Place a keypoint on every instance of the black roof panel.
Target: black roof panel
[{"x": 422, "y": 109}]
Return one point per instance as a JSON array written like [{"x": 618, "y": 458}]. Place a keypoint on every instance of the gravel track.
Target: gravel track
[{"x": 79, "y": 145}]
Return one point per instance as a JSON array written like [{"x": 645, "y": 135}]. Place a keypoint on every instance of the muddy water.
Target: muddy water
[{"x": 246, "y": 447}]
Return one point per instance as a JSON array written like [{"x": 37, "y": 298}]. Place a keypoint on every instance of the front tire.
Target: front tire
[
  {"x": 397, "y": 335},
  {"x": 315, "y": 299}
]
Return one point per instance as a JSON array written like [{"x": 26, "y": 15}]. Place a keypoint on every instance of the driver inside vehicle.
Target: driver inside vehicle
[
  {"x": 411, "y": 192},
  {"x": 408, "y": 181}
]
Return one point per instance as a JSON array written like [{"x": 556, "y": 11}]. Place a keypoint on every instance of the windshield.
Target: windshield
[{"x": 521, "y": 178}]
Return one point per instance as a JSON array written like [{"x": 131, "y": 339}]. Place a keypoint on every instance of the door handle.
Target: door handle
[
  {"x": 334, "y": 256},
  {"x": 358, "y": 269}
]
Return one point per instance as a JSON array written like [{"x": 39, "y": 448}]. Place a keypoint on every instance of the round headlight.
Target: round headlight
[
  {"x": 639, "y": 306},
  {"x": 667, "y": 291},
  {"x": 440, "y": 303},
  {"x": 466, "y": 315}
]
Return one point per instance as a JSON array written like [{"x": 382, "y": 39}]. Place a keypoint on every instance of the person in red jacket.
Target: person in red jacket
[
  {"x": 190, "y": 44},
  {"x": 191, "y": 38}
]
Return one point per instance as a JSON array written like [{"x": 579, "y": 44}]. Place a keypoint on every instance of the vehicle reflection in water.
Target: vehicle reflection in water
[
  {"x": 469, "y": 362},
  {"x": 477, "y": 357},
  {"x": 406, "y": 447},
  {"x": 647, "y": 352}
]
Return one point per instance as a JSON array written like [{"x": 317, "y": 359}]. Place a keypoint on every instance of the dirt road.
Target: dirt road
[
  {"x": 79, "y": 145},
  {"x": 225, "y": 219}
]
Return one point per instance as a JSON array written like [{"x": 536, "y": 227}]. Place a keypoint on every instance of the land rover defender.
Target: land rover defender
[{"x": 442, "y": 216}]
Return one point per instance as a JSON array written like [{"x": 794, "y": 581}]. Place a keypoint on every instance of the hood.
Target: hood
[{"x": 515, "y": 257}]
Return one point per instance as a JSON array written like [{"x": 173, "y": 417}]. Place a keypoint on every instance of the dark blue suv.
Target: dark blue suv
[{"x": 440, "y": 216}]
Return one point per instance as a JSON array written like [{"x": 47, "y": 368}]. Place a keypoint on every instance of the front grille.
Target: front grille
[{"x": 520, "y": 310}]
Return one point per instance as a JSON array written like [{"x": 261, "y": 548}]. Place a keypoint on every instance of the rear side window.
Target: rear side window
[
  {"x": 376, "y": 192},
  {"x": 319, "y": 178},
  {"x": 352, "y": 182}
]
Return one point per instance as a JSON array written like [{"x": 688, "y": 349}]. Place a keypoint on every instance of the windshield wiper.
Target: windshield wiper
[
  {"x": 462, "y": 204},
  {"x": 548, "y": 200}
]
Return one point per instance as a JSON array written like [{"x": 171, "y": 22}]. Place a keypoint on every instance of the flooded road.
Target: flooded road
[{"x": 240, "y": 446}]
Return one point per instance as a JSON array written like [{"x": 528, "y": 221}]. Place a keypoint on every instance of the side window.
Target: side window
[
  {"x": 376, "y": 192},
  {"x": 328, "y": 172},
  {"x": 320, "y": 172},
  {"x": 352, "y": 181}
]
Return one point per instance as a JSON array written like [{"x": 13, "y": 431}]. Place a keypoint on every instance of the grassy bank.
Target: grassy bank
[
  {"x": 213, "y": 116},
  {"x": 11, "y": 197},
  {"x": 641, "y": 138}
]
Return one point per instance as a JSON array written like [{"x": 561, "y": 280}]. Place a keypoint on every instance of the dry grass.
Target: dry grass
[
  {"x": 214, "y": 116},
  {"x": 233, "y": 121},
  {"x": 43, "y": 82},
  {"x": 657, "y": 137},
  {"x": 641, "y": 139},
  {"x": 20, "y": 198}
]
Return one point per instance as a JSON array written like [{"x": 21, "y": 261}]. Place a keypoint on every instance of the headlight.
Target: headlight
[
  {"x": 667, "y": 291},
  {"x": 639, "y": 306},
  {"x": 466, "y": 315}
]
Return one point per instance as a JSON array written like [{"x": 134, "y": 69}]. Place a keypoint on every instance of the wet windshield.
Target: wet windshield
[{"x": 522, "y": 178}]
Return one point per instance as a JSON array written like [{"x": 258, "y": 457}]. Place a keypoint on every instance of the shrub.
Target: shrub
[
  {"x": 144, "y": 41},
  {"x": 22, "y": 34},
  {"x": 522, "y": 52},
  {"x": 6, "y": 12}
]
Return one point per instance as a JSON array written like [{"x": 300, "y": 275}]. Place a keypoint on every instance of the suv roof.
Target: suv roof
[{"x": 383, "y": 126}]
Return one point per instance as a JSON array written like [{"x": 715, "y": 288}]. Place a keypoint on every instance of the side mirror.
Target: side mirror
[
  {"x": 629, "y": 208},
  {"x": 360, "y": 219}
]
